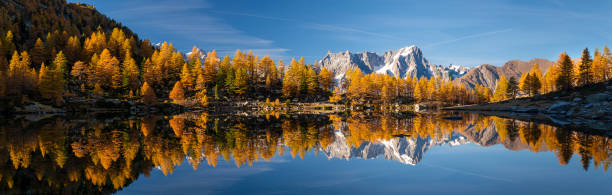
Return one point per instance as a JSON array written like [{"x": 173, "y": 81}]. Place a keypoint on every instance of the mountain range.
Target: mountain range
[
  {"x": 410, "y": 62},
  {"x": 404, "y": 62}
]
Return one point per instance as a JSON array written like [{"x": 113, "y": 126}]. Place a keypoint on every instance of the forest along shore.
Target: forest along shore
[
  {"x": 136, "y": 108},
  {"x": 582, "y": 106}
]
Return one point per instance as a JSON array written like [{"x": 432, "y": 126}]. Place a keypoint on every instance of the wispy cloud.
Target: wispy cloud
[
  {"x": 315, "y": 26},
  {"x": 188, "y": 22},
  {"x": 473, "y": 36}
]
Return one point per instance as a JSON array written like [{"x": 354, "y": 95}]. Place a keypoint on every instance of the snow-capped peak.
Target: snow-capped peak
[{"x": 404, "y": 62}]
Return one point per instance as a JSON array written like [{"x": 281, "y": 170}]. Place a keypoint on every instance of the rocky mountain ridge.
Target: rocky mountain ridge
[
  {"x": 403, "y": 62},
  {"x": 410, "y": 62}
]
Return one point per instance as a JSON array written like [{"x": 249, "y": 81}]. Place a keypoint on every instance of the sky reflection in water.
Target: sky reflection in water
[{"x": 198, "y": 153}]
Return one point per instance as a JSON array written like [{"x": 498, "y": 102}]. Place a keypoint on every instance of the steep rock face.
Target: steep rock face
[
  {"x": 488, "y": 75},
  {"x": 484, "y": 137},
  {"x": 404, "y": 62}
]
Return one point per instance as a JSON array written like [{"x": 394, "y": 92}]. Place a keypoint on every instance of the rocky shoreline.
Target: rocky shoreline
[{"x": 591, "y": 108}]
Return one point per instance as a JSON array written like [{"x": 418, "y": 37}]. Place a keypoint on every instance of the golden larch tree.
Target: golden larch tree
[
  {"x": 148, "y": 95},
  {"x": 177, "y": 94}
]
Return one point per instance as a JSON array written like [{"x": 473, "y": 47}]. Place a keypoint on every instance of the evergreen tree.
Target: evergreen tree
[
  {"x": 585, "y": 71},
  {"x": 512, "y": 89},
  {"x": 535, "y": 84},
  {"x": 564, "y": 78}
]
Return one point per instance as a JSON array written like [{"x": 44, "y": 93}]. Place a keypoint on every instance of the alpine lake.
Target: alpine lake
[{"x": 275, "y": 153}]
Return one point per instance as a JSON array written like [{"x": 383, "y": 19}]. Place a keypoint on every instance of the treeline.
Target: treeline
[
  {"x": 563, "y": 75},
  {"x": 385, "y": 89}
]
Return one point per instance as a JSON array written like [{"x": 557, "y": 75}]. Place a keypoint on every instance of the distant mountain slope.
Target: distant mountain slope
[
  {"x": 55, "y": 22},
  {"x": 404, "y": 62},
  {"x": 31, "y": 19},
  {"x": 487, "y": 75}
]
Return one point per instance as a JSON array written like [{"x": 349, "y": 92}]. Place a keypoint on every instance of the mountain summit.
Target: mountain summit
[{"x": 403, "y": 62}]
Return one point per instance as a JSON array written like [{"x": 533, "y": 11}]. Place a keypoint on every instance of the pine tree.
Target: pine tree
[
  {"x": 535, "y": 84},
  {"x": 148, "y": 95},
  {"x": 177, "y": 94},
  {"x": 564, "y": 78},
  {"x": 500, "y": 89},
  {"x": 585, "y": 71},
  {"x": 512, "y": 89}
]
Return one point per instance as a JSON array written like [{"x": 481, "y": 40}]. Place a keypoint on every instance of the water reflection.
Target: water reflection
[{"x": 71, "y": 155}]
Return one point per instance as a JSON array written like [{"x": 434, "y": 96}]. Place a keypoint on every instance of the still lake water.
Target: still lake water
[{"x": 301, "y": 154}]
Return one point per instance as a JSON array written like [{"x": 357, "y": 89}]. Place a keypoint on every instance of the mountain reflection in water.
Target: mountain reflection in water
[{"x": 83, "y": 155}]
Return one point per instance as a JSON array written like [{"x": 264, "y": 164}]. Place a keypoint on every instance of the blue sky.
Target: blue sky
[{"x": 466, "y": 32}]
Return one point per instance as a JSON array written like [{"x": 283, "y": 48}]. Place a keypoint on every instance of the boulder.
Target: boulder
[
  {"x": 560, "y": 107},
  {"x": 599, "y": 97}
]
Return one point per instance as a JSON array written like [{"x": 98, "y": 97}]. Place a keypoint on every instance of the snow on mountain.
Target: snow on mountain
[
  {"x": 202, "y": 54},
  {"x": 404, "y": 62},
  {"x": 405, "y": 149}
]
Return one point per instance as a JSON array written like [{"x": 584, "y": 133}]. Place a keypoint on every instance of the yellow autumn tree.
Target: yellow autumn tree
[
  {"x": 326, "y": 79},
  {"x": 500, "y": 89},
  {"x": 211, "y": 64},
  {"x": 148, "y": 95},
  {"x": 186, "y": 77},
  {"x": 177, "y": 94}
]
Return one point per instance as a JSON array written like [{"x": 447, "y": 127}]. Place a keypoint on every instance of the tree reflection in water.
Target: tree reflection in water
[{"x": 67, "y": 155}]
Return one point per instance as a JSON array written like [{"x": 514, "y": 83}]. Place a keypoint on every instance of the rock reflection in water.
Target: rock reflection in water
[{"x": 73, "y": 155}]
